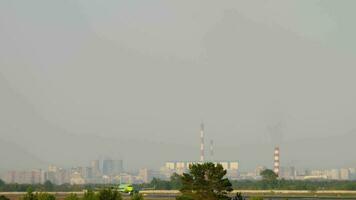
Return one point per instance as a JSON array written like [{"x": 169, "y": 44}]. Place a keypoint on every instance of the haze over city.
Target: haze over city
[{"x": 133, "y": 81}]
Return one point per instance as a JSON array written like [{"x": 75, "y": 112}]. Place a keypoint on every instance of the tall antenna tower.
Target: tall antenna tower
[
  {"x": 202, "y": 142},
  {"x": 211, "y": 150},
  {"x": 276, "y": 164}
]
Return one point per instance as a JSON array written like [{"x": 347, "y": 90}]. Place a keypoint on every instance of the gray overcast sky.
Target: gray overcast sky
[{"x": 88, "y": 79}]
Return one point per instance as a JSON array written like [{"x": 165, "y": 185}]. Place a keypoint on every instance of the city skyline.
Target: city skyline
[
  {"x": 105, "y": 170},
  {"x": 89, "y": 175}
]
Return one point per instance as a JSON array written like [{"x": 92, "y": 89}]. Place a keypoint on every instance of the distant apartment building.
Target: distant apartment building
[
  {"x": 258, "y": 170},
  {"x": 333, "y": 174},
  {"x": 25, "y": 177},
  {"x": 85, "y": 172},
  {"x": 345, "y": 174},
  {"x": 52, "y": 168},
  {"x": 352, "y": 173},
  {"x": 317, "y": 174},
  {"x": 77, "y": 179},
  {"x": 126, "y": 178},
  {"x": 146, "y": 175},
  {"x": 182, "y": 166},
  {"x": 59, "y": 176},
  {"x": 112, "y": 167},
  {"x": 248, "y": 176},
  {"x": 122, "y": 178},
  {"x": 95, "y": 166},
  {"x": 88, "y": 173},
  {"x": 288, "y": 173}
]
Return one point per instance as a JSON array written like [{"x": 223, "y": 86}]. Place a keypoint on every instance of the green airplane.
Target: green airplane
[
  {"x": 127, "y": 188},
  {"x": 122, "y": 188}
]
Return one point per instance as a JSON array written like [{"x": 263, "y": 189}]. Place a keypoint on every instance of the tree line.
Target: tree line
[
  {"x": 103, "y": 194},
  {"x": 158, "y": 184},
  {"x": 265, "y": 185},
  {"x": 269, "y": 181}
]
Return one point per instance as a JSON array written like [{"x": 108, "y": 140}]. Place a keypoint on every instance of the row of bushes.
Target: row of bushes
[
  {"x": 263, "y": 185},
  {"x": 174, "y": 184},
  {"x": 104, "y": 194},
  {"x": 294, "y": 185}
]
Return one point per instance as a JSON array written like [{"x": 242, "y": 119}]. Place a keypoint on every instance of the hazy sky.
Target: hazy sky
[{"x": 150, "y": 72}]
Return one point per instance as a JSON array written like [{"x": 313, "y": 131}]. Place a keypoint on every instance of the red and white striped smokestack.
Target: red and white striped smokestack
[
  {"x": 202, "y": 143},
  {"x": 276, "y": 165}
]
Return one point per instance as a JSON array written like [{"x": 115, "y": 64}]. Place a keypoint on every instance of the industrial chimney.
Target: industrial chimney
[
  {"x": 202, "y": 142},
  {"x": 276, "y": 164}
]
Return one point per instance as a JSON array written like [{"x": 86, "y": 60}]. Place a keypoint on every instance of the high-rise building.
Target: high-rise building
[
  {"x": 25, "y": 177},
  {"x": 333, "y": 174},
  {"x": 170, "y": 165},
  {"x": 88, "y": 173},
  {"x": 95, "y": 166},
  {"x": 287, "y": 172},
  {"x": 112, "y": 167},
  {"x": 352, "y": 173},
  {"x": 52, "y": 168},
  {"x": 344, "y": 174},
  {"x": 224, "y": 164},
  {"x": 180, "y": 167},
  {"x": 76, "y": 179},
  {"x": 59, "y": 176},
  {"x": 118, "y": 166},
  {"x": 234, "y": 165},
  {"x": 10, "y": 177},
  {"x": 232, "y": 170},
  {"x": 107, "y": 167},
  {"x": 147, "y": 175}
]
